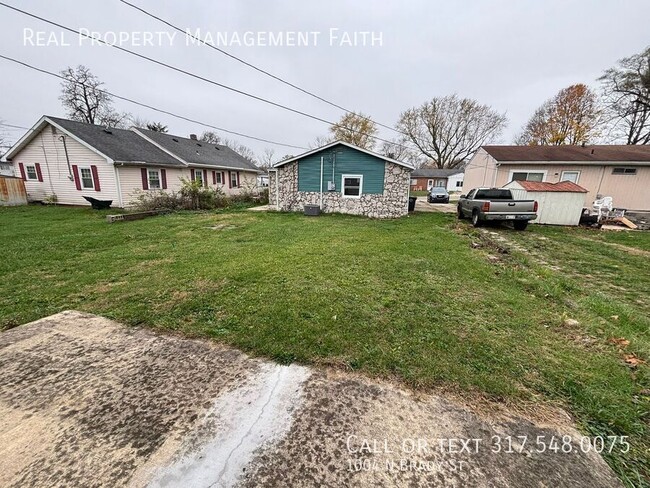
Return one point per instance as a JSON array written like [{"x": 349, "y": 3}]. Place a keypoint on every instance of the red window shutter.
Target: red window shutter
[
  {"x": 39, "y": 174},
  {"x": 163, "y": 177},
  {"x": 145, "y": 178},
  {"x": 205, "y": 177},
  {"x": 237, "y": 179},
  {"x": 192, "y": 174},
  {"x": 75, "y": 173},
  {"x": 229, "y": 179},
  {"x": 22, "y": 171},
  {"x": 223, "y": 177},
  {"x": 93, "y": 169},
  {"x": 214, "y": 177}
]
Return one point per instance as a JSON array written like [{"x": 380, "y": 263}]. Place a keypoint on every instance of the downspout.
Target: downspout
[
  {"x": 321, "y": 183},
  {"x": 117, "y": 182},
  {"x": 67, "y": 158},
  {"x": 496, "y": 170}
]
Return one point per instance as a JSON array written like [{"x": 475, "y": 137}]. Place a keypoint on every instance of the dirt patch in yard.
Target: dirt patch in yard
[{"x": 86, "y": 401}]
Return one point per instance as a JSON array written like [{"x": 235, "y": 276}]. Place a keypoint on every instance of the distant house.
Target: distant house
[
  {"x": 6, "y": 169},
  {"x": 263, "y": 179},
  {"x": 622, "y": 172},
  {"x": 427, "y": 178},
  {"x": 340, "y": 177},
  {"x": 73, "y": 159}
]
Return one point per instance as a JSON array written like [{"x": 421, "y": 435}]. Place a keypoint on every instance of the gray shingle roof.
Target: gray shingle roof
[
  {"x": 118, "y": 144},
  {"x": 199, "y": 152},
  {"x": 435, "y": 172}
]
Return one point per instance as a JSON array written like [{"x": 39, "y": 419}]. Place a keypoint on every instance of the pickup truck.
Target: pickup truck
[{"x": 496, "y": 205}]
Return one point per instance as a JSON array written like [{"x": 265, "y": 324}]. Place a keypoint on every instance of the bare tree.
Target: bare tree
[
  {"x": 268, "y": 159},
  {"x": 157, "y": 127},
  {"x": 210, "y": 137},
  {"x": 402, "y": 150},
  {"x": 355, "y": 128},
  {"x": 320, "y": 141},
  {"x": 626, "y": 96},
  {"x": 139, "y": 122},
  {"x": 448, "y": 130},
  {"x": 85, "y": 100},
  {"x": 570, "y": 117}
]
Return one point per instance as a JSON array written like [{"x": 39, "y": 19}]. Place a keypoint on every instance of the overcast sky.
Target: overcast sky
[{"x": 512, "y": 55}]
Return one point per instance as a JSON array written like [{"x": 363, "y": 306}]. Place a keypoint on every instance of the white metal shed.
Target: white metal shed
[{"x": 559, "y": 203}]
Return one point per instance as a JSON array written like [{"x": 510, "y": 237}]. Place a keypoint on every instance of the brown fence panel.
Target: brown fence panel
[{"x": 12, "y": 191}]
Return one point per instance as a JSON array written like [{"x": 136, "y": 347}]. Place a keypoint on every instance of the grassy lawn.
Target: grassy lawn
[{"x": 410, "y": 299}]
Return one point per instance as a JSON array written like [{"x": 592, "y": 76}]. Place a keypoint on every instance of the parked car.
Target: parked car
[
  {"x": 496, "y": 205},
  {"x": 438, "y": 195}
]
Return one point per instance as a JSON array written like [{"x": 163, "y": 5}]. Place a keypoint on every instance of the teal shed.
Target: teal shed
[{"x": 340, "y": 177}]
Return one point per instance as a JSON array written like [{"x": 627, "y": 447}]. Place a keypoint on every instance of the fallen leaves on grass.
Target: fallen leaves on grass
[
  {"x": 570, "y": 323},
  {"x": 619, "y": 341},
  {"x": 632, "y": 361}
]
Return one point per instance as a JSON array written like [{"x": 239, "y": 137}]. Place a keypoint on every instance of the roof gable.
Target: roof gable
[
  {"x": 120, "y": 145},
  {"x": 140, "y": 146},
  {"x": 603, "y": 153},
  {"x": 351, "y": 146}
]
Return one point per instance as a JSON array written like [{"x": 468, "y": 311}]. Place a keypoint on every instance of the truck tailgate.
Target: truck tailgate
[{"x": 512, "y": 206}]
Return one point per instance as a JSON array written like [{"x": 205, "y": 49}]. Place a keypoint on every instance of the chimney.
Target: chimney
[{"x": 193, "y": 137}]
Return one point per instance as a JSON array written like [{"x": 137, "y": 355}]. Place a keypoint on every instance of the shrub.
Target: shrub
[
  {"x": 158, "y": 200},
  {"x": 51, "y": 199},
  {"x": 192, "y": 196},
  {"x": 201, "y": 198}
]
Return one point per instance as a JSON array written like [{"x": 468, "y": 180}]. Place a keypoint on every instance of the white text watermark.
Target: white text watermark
[{"x": 333, "y": 37}]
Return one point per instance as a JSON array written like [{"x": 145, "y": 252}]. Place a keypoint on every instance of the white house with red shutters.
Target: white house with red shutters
[{"x": 70, "y": 160}]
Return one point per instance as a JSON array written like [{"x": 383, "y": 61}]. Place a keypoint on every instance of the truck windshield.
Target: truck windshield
[{"x": 493, "y": 194}]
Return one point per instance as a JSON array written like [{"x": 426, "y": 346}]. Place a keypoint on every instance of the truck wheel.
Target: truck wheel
[
  {"x": 520, "y": 225},
  {"x": 476, "y": 219},
  {"x": 459, "y": 212}
]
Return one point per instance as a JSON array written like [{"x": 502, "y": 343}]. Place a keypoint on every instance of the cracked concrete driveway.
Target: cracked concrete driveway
[{"x": 85, "y": 401}]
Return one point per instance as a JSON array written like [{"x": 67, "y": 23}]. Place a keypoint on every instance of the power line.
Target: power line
[
  {"x": 13, "y": 126},
  {"x": 250, "y": 65},
  {"x": 193, "y": 75},
  {"x": 166, "y": 112}
]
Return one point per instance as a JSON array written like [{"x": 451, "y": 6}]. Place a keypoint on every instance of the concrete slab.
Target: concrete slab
[
  {"x": 260, "y": 208},
  {"x": 85, "y": 401}
]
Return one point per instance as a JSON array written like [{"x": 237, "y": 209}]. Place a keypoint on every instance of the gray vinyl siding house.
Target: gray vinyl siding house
[{"x": 342, "y": 178}]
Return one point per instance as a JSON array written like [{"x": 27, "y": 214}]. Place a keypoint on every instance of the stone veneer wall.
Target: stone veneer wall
[{"x": 391, "y": 204}]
